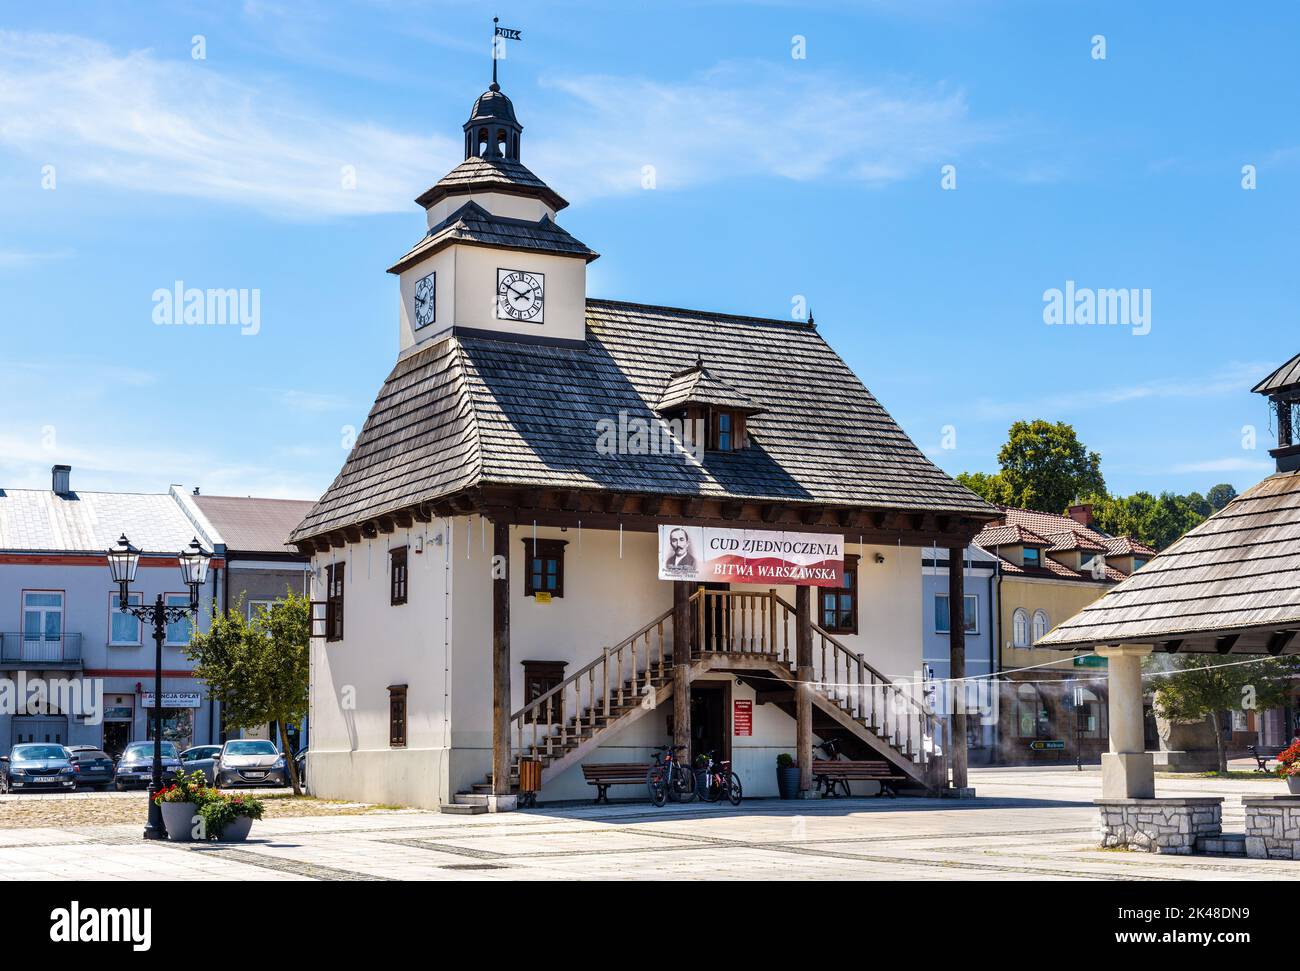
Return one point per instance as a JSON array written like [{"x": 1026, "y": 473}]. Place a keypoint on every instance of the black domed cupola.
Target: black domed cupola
[{"x": 492, "y": 130}]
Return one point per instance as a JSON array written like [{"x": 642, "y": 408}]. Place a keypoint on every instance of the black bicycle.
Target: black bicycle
[
  {"x": 828, "y": 787},
  {"x": 668, "y": 778},
  {"x": 716, "y": 781}
]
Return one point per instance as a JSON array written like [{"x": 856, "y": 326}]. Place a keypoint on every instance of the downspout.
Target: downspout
[{"x": 995, "y": 651}]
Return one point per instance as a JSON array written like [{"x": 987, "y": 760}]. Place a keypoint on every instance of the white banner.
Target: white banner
[{"x": 709, "y": 555}]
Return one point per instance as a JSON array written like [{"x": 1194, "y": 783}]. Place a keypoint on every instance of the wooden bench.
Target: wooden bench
[
  {"x": 602, "y": 775},
  {"x": 1262, "y": 755},
  {"x": 874, "y": 771}
]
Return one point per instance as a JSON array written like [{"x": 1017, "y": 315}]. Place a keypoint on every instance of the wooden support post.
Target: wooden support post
[
  {"x": 803, "y": 695},
  {"x": 957, "y": 665},
  {"x": 500, "y": 659},
  {"x": 682, "y": 667}
]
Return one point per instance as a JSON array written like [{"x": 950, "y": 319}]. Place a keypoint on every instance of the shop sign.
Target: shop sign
[
  {"x": 710, "y": 555},
  {"x": 742, "y": 718},
  {"x": 174, "y": 699}
]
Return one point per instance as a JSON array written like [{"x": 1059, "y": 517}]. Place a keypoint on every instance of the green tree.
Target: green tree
[
  {"x": 258, "y": 669},
  {"x": 986, "y": 486},
  {"x": 1220, "y": 495},
  {"x": 1206, "y": 685},
  {"x": 1045, "y": 466},
  {"x": 1155, "y": 520}
]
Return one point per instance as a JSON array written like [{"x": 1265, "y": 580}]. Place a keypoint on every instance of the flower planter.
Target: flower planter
[
  {"x": 178, "y": 820},
  {"x": 237, "y": 831},
  {"x": 787, "y": 781},
  {"x": 1293, "y": 783}
]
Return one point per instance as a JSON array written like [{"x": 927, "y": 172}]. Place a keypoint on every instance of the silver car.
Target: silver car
[
  {"x": 250, "y": 762},
  {"x": 201, "y": 758}
]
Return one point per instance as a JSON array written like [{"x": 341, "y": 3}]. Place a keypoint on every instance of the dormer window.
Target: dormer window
[
  {"x": 725, "y": 431},
  {"x": 728, "y": 431},
  {"x": 1033, "y": 556},
  {"x": 695, "y": 394}
]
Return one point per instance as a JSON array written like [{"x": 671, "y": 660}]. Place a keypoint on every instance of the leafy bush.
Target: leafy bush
[
  {"x": 785, "y": 761},
  {"x": 221, "y": 810}
]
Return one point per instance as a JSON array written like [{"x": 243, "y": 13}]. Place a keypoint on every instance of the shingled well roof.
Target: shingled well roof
[{"x": 470, "y": 411}]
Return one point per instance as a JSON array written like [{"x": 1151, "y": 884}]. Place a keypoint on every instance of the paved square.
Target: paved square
[{"x": 1031, "y": 823}]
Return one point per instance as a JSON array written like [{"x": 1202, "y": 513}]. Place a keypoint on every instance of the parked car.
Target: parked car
[
  {"x": 37, "y": 766},
  {"x": 201, "y": 758},
  {"x": 301, "y": 760},
  {"x": 93, "y": 768},
  {"x": 135, "y": 767},
  {"x": 251, "y": 762}
]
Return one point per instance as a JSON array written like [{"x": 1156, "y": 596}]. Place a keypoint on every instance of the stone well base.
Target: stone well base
[
  {"x": 1160, "y": 825},
  {"x": 1272, "y": 827}
]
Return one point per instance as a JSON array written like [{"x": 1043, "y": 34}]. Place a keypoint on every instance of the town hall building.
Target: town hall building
[{"x": 573, "y": 530}]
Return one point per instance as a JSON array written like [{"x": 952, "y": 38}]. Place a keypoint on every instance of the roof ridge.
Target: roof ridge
[{"x": 711, "y": 314}]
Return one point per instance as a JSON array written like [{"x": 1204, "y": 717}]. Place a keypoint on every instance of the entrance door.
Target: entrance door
[
  {"x": 40, "y": 728},
  {"x": 709, "y": 727},
  {"x": 116, "y": 737}
]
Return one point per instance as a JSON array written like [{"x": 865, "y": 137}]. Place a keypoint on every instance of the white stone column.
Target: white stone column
[{"x": 1127, "y": 770}]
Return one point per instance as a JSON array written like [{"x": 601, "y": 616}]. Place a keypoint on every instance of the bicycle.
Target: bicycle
[
  {"x": 717, "y": 781},
  {"x": 667, "y": 779},
  {"x": 825, "y": 784}
]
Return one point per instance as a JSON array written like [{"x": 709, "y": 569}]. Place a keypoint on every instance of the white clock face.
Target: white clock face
[
  {"x": 426, "y": 292},
  {"x": 520, "y": 295}
]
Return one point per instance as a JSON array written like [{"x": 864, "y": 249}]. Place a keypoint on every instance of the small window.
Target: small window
[
  {"x": 839, "y": 605},
  {"x": 544, "y": 567},
  {"x": 334, "y": 573},
  {"x": 971, "y": 606},
  {"x": 726, "y": 431},
  {"x": 1020, "y": 628},
  {"x": 1138, "y": 563},
  {"x": 179, "y": 631},
  {"x": 1032, "y": 720},
  {"x": 397, "y": 716},
  {"x": 539, "y": 678},
  {"x": 1033, "y": 556},
  {"x": 124, "y": 630},
  {"x": 1041, "y": 624},
  {"x": 397, "y": 576},
  {"x": 254, "y": 606}
]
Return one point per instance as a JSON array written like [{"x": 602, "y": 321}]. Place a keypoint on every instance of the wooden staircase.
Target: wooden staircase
[{"x": 748, "y": 635}]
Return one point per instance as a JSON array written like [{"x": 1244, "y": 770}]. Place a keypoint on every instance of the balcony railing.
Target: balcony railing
[{"x": 40, "y": 648}]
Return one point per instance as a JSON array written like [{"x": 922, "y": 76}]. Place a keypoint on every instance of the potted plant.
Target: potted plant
[
  {"x": 1288, "y": 767},
  {"x": 229, "y": 817},
  {"x": 787, "y": 776},
  {"x": 180, "y": 803}
]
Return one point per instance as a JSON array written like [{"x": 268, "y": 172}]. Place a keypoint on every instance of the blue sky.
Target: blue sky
[{"x": 776, "y": 177}]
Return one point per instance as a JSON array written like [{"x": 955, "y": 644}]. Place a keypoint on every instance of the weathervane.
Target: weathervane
[{"x": 499, "y": 37}]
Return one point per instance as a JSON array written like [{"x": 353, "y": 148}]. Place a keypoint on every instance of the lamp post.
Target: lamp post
[{"x": 123, "y": 559}]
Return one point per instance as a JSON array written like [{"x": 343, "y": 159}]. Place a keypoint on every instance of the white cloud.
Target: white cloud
[
  {"x": 180, "y": 127},
  {"x": 745, "y": 119},
  {"x": 145, "y": 124},
  {"x": 1233, "y": 464}
]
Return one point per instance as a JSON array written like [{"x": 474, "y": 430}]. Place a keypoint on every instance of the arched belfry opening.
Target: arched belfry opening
[{"x": 492, "y": 131}]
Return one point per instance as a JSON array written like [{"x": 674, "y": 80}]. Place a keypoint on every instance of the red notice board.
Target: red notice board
[{"x": 743, "y": 718}]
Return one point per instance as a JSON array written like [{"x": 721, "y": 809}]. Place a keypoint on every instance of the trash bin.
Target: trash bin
[{"x": 530, "y": 781}]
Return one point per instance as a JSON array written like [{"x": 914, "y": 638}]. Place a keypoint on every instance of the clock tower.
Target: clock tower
[{"x": 493, "y": 263}]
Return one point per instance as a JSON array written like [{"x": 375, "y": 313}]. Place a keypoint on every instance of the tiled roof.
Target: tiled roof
[
  {"x": 1068, "y": 540},
  {"x": 1285, "y": 378},
  {"x": 1239, "y": 570},
  {"x": 471, "y": 223},
  {"x": 697, "y": 386},
  {"x": 477, "y": 411},
  {"x": 487, "y": 175},
  {"x": 1126, "y": 546},
  {"x": 1008, "y": 534},
  {"x": 39, "y": 521},
  {"x": 251, "y": 525}
]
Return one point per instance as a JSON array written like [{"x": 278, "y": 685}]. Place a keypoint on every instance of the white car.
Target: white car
[{"x": 250, "y": 762}]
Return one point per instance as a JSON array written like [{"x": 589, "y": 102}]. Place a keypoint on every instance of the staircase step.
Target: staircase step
[{"x": 463, "y": 809}]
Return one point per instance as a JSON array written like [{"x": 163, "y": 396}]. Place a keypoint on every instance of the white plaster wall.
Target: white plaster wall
[
  {"x": 444, "y": 264},
  {"x": 383, "y": 645},
  {"x": 498, "y": 203}
]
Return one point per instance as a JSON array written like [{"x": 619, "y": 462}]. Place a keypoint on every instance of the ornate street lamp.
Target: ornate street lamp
[{"x": 123, "y": 559}]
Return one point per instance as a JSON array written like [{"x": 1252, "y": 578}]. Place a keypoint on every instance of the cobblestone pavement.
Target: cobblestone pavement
[{"x": 1036, "y": 823}]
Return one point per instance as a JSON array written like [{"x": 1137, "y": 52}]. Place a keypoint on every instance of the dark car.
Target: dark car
[
  {"x": 93, "y": 768},
  {"x": 251, "y": 762},
  {"x": 37, "y": 766},
  {"x": 135, "y": 767}
]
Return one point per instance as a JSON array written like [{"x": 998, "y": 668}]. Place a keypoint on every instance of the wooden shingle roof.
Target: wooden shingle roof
[
  {"x": 473, "y": 411},
  {"x": 471, "y": 223},
  {"x": 1237, "y": 573},
  {"x": 696, "y": 385},
  {"x": 491, "y": 175},
  {"x": 1284, "y": 379}
]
